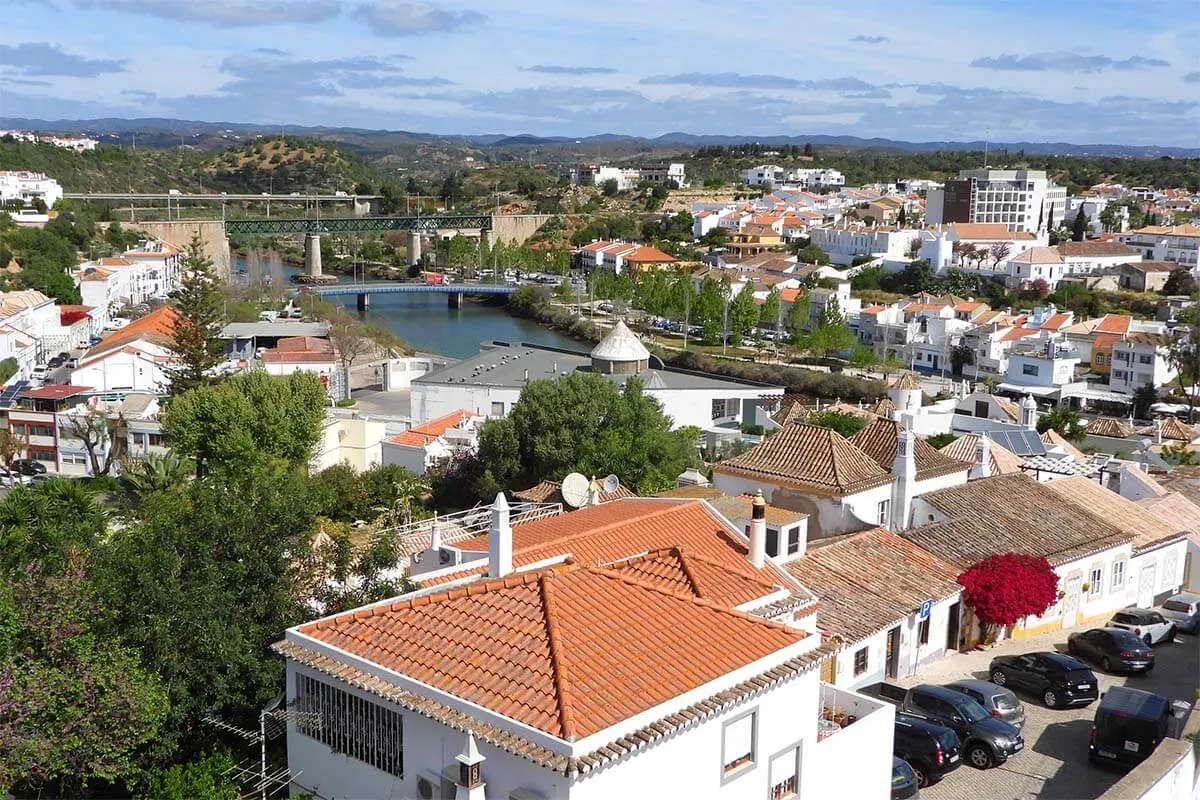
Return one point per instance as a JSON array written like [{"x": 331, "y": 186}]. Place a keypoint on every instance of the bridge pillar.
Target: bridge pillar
[
  {"x": 364, "y": 301},
  {"x": 454, "y": 300},
  {"x": 312, "y": 254},
  {"x": 414, "y": 247}
]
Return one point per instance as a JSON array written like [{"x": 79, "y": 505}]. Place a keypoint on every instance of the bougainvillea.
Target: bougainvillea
[{"x": 1004, "y": 588}]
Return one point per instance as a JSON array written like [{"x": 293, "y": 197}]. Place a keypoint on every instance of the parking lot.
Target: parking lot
[{"x": 1054, "y": 763}]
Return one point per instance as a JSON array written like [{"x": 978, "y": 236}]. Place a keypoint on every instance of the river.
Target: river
[{"x": 424, "y": 321}]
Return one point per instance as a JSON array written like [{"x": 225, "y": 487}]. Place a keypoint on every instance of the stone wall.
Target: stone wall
[
  {"x": 179, "y": 233},
  {"x": 516, "y": 228}
]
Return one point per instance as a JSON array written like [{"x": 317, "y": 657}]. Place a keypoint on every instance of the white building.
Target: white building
[
  {"x": 433, "y": 443},
  {"x": 630, "y": 177},
  {"x": 30, "y": 328},
  {"x": 774, "y": 175},
  {"x": 631, "y": 683},
  {"x": 349, "y": 439},
  {"x": 1177, "y": 243},
  {"x": 490, "y": 383},
  {"x": 1140, "y": 358},
  {"x": 1045, "y": 366},
  {"x": 158, "y": 264},
  {"x": 136, "y": 358},
  {"x": 79, "y": 144},
  {"x": 1021, "y": 200},
  {"x": 27, "y": 187}
]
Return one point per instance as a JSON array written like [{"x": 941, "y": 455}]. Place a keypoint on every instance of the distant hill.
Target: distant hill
[{"x": 209, "y": 135}]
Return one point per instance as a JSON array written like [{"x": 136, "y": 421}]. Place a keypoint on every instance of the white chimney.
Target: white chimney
[
  {"x": 982, "y": 467},
  {"x": 435, "y": 535},
  {"x": 904, "y": 467},
  {"x": 1158, "y": 425},
  {"x": 758, "y": 531},
  {"x": 499, "y": 540},
  {"x": 594, "y": 492},
  {"x": 1028, "y": 412}
]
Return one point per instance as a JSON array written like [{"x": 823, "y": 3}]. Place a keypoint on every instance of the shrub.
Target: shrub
[{"x": 1005, "y": 588}]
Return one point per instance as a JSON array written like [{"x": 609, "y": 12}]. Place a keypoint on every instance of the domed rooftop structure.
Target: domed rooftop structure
[{"x": 620, "y": 353}]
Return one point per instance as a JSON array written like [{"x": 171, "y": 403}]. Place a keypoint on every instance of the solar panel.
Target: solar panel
[
  {"x": 11, "y": 392},
  {"x": 1021, "y": 443}
]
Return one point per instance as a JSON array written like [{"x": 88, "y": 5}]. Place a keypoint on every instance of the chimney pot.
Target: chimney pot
[{"x": 758, "y": 531}]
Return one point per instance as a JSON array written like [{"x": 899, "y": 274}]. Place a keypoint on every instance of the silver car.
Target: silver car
[
  {"x": 1184, "y": 611},
  {"x": 998, "y": 701}
]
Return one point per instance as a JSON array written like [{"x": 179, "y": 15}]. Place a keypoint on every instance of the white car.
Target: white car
[{"x": 1146, "y": 623}]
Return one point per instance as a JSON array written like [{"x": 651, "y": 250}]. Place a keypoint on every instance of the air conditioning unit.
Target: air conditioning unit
[{"x": 432, "y": 786}]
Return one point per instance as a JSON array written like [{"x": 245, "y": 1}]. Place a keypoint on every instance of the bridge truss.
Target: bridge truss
[{"x": 334, "y": 225}]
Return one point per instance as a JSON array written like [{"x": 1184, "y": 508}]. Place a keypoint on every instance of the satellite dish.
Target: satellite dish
[
  {"x": 575, "y": 490},
  {"x": 611, "y": 484}
]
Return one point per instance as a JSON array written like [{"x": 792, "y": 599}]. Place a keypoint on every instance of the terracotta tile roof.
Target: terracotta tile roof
[
  {"x": 617, "y": 530},
  {"x": 1010, "y": 408},
  {"x": 1175, "y": 430},
  {"x": 551, "y": 492},
  {"x": 1144, "y": 337},
  {"x": 875, "y": 309},
  {"x": 650, "y": 255},
  {"x": 421, "y": 435},
  {"x": 1056, "y": 321},
  {"x": 95, "y": 274},
  {"x": 1153, "y": 266},
  {"x": 1019, "y": 332},
  {"x": 1184, "y": 479},
  {"x": 884, "y": 407},
  {"x": 969, "y": 306},
  {"x": 881, "y": 438},
  {"x": 1052, "y": 438},
  {"x": 1109, "y": 426},
  {"x": 790, "y": 295},
  {"x": 300, "y": 350},
  {"x": 965, "y": 449},
  {"x": 906, "y": 381},
  {"x": 1176, "y": 511},
  {"x": 54, "y": 392},
  {"x": 1114, "y": 323},
  {"x": 740, "y": 507},
  {"x": 113, "y": 261},
  {"x": 1093, "y": 499},
  {"x": 562, "y": 650},
  {"x": 1037, "y": 255},
  {"x": 1096, "y": 249},
  {"x": 693, "y": 492},
  {"x": 157, "y": 327},
  {"x": 1104, "y": 341},
  {"x": 987, "y": 231},
  {"x": 867, "y": 581},
  {"x": 1187, "y": 229},
  {"x": 1011, "y": 513},
  {"x": 817, "y": 460}
]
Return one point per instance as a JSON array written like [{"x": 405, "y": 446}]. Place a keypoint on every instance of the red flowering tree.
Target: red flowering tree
[{"x": 1004, "y": 588}]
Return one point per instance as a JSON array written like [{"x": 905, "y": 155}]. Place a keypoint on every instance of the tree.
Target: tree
[
  {"x": 999, "y": 251},
  {"x": 831, "y": 336},
  {"x": 206, "y": 778},
  {"x": 800, "y": 316},
  {"x": 961, "y": 355},
  {"x": 845, "y": 424},
  {"x": 349, "y": 342},
  {"x": 811, "y": 254},
  {"x": 772, "y": 309},
  {"x": 156, "y": 472},
  {"x": 1180, "y": 282},
  {"x": 75, "y": 705},
  {"x": 1005, "y": 588},
  {"x": 902, "y": 218},
  {"x": 1079, "y": 226},
  {"x": 247, "y": 418},
  {"x": 940, "y": 440},
  {"x": 104, "y": 438},
  {"x": 1184, "y": 356},
  {"x": 1144, "y": 396},
  {"x": 743, "y": 313},
  {"x": 196, "y": 340},
  {"x": 808, "y": 150},
  {"x": 48, "y": 525},
  {"x": 610, "y": 187},
  {"x": 1065, "y": 420}
]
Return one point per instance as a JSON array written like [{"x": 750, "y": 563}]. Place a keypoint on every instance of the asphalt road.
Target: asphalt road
[{"x": 1054, "y": 763}]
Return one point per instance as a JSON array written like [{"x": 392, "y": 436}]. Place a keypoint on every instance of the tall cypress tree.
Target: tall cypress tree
[{"x": 197, "y": 344}]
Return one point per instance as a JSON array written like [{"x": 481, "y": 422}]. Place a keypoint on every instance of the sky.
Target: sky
[{"x": 1080, "y": 71}]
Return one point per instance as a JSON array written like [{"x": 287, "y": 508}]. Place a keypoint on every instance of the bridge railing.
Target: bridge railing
[
  {"x": 346, "y": 289},
  {"x": 334, "y": 225}
]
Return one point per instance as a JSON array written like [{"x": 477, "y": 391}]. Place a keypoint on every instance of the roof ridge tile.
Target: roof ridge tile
[{"x": 566, "y": 713}]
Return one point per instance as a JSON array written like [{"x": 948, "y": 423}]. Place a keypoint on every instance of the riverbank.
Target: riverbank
[{"x": 796, "y": 379}]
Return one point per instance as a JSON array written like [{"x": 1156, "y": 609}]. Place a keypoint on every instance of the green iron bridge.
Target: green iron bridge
[{"x": 336, "y": 225}]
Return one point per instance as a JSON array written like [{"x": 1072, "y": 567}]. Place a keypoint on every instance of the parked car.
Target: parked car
[
  {"x": 1129, "y": 725},
  {"x": 1113, "y": 649},
  {"x": 931, "y": 750},
  {"x": 1060, "y": 680},
  {"x": 904, "y": 780},
  {"x": 985, "y": 740},
  {"x": 1184, "y": 611},
  {"x": 64, "y": 356},
  {"x": 95, "y": 340},
  {"x": 27, "y": 466},
  {"x": 996, "y": 700},
  {"x": 39, "y": 371},
  {"x": 54, "y": 363},
  {"x": 1147, "y": 623}
]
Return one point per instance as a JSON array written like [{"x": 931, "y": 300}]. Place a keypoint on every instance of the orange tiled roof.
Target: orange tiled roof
[
  {"x": 613, "y": 531},
  {"x": 1109, "y": 426},
  {"x": 790, "y": 295},
  {"x": 1113, "y": 323},
  {"x": 881, "y": 438},
  {"x": 158, "y": 326},
  {"x": 551, "y": 492},
  {"x": 988, "y": 231},
  {"x": 1056, "y": 321},
  {"x": 569, "y": 651},
  {"x": 1053, "y": 438},
  {"x": 300, "y": 350},
  {"x": 650, "y": 255},
  {"x": 421, "y": 435},
  {"x": 815, "y": 459}
]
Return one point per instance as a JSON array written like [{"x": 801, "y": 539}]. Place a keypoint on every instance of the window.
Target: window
[
  {"x": 1095, "y": 581},
  {"x": 773, "y": 542},
  {"x": 1029, "y": 369},
  {"x": 42, "y": 455},
  {"x": 718, "y": 409},
  {"x": 349, "y": 724},
  {"x": 982, "y": 407},
  {"x": 1145, "y": 359},
  {"x": 923, "y": 631},
  {"x": 74, "y": 458},
  {"x": 793, "y": 541},
  {"x": 882, "y": 512},
  {"x": 1118, "y": 574},
  {"x": 497, "y": 409},
  {"x": 737, "y": 743},
  {"x": 1099, "y": 359},
  {"x": 785, "y": 769},
  {"x": 860, "y": 662},
  {"x": 156, "y": 439}
]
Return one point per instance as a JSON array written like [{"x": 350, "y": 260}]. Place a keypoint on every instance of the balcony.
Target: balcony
[
  {"x": 841, "y": 709},
  {"x": 853, "y": 754}
]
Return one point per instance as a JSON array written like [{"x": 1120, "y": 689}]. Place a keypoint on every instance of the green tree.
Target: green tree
[
  {"x": 811, "y": 254},
  {"x": 743, "y": 313},
  {"x": 8, "y": 368},
  {"x": 48, "y": 525},
  {"x": 1180, "y": 282},
  {"x": 196, "y": 341},
  {"x": 1144, "y": 396},
  {"x": 1065, "y": 420},
  {"x": 772, "y": 309},
  {"x": 800, "y": 316},
  {"x": 246, "y": 418},
  {"x": 831, "y": 336},
  {"x": 1079, "y": 226},
  {"x": 205, "y": 778},
  {"x": 845, "y": 424},
  {"x": 610, "y": 187},
  {"x": 75, "y": 705}
]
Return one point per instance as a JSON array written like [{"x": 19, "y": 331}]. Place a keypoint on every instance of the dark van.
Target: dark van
[{"x": 1129, "y": 724}]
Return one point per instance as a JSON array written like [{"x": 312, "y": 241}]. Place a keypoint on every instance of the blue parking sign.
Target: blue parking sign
[{"x": 926, "y": 609}]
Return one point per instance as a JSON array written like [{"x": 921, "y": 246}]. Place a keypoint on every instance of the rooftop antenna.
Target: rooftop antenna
[
  {"x": 987, "y": 135},
  {"x": 575, "y": 490}
]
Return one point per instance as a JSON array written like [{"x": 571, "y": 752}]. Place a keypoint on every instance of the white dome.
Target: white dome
[{"x": 620, "y": 346}]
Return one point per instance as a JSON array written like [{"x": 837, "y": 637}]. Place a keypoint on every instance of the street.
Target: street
[{"x": 1054, "y": 763}]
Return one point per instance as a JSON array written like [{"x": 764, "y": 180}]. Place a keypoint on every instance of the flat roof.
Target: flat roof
[
  {"x": 248, "y": 330},
  {"x": 56, "y": 391},
  {"x": 505, "y": 364}
]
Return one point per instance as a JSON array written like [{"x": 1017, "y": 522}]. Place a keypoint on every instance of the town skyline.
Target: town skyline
[{"x": 1053, "y": 74}]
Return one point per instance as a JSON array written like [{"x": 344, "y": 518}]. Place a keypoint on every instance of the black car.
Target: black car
[
  {"x": 1113, "y": 649},
  {"x": 1129, "y": 724},
  {"x": 985, "y": 740},
  {"x": 930, "y": 749},
  {"x": 27, "y": 466},
  {"x": 904, "y": 780},
  {"x": 1060, "y": 680},
  {"x": 54, "y": 363}
]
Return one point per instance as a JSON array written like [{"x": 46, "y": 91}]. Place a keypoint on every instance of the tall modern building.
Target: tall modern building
[{"x": 1023, "y": 200}]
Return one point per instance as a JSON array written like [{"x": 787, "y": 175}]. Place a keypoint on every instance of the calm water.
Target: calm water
[{"x": 425, "y": 322}]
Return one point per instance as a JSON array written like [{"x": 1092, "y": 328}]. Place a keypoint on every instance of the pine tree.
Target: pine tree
[
  {"x": 1079, "y": 226},
  {"x": 197, "y": 343}
]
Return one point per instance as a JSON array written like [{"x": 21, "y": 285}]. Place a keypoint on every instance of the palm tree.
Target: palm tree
[{"x": 156, "y": 472}]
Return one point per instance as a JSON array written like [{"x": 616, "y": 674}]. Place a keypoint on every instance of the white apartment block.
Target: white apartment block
[
  {"x": 1021, "y": 200},
  {"x": 77, "y": 143},
  {"x": 630, "y": 177},
  {"x": 27, "y": 187},
  {"x": 1140, "y": 358},
  {"x": 774, "y": 175},
  {"x": 1177, "y": 243}
]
